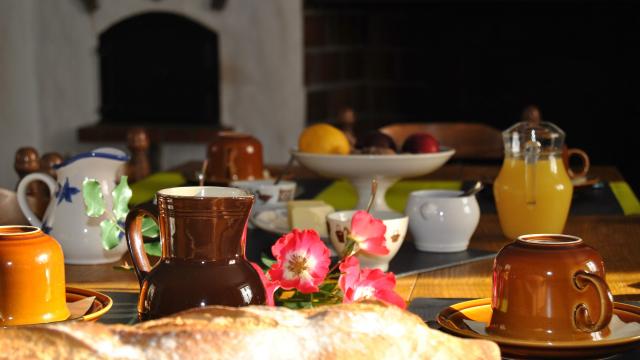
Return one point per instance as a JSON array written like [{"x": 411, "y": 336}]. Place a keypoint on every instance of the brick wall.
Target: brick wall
[{"x": 480, "y": 61}]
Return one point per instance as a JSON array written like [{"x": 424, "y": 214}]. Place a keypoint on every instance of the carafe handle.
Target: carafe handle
[
  {"x": 531, "y": 154},
  {"x": 22, "y": 196},
  {"x": 582, "y": 320},
  {"x": 135, "y": 240}
]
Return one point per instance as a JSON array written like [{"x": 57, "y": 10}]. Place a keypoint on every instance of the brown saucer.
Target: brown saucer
[
  {"x": 101, "y": 303},
  {"x": 456, "y": 319}
]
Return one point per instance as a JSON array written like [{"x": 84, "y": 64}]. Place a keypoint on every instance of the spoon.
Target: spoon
[
  {"x": 284, "y": 171},
  {"x": 203, "y": 171},
  {"x": 374, "y": 190},
  {"x": 473, "y": 190}
]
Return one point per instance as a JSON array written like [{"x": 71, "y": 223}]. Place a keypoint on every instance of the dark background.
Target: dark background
[{"x": 481, "y": 61}]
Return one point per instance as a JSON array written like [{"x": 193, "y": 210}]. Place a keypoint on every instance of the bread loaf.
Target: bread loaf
[{"x": 354, "y": 331}]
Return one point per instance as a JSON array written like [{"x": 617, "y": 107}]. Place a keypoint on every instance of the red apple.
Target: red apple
[{"x": 421, "y": 143}]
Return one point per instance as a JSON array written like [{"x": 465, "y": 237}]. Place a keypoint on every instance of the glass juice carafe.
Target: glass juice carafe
[{"x": 533, "y": 190}]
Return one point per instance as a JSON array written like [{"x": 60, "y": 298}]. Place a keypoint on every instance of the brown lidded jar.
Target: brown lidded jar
[{"x": 234, "y": 156}]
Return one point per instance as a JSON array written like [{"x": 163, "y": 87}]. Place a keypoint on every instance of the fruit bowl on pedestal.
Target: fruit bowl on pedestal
[{"x": 360, "y": 169}]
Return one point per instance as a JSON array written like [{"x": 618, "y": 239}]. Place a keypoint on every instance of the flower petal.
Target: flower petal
[
  {"x": 369, "y": 233},
  {"x": 391, "y": 297},
  {"x": 270, "y": 287},
  {"x": 350, "y": 273},
  {"x": 302, "y": 261}
]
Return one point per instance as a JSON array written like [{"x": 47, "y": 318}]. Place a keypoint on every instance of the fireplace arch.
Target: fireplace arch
[{"x": 159, "y": 68}]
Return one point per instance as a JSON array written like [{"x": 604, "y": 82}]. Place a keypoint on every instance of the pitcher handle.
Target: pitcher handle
[
  {"x": 135, "y": 240},
  {"x": 581, "y": 318},
  {"x": 22, "y": 196},
  {"x": 531, "y": 154}
]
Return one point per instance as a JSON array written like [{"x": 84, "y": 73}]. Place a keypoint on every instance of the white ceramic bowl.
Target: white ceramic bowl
[
  {"x": 361, "y": 169},
  {"x": 441, "y": 220},
  {"x": 340, "y": 223},
  {"x": 267, "y": 194}
]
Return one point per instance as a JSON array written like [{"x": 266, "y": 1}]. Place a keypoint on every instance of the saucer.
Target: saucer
[
  {"x": 100, "y": 306},
  {"x": 462, "y": 319},
  {"x": 272, "y": 220},
  {"x": 275, "y": 220}
]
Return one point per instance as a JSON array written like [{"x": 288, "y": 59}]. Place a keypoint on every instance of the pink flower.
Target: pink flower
[
  {"x": 270, "y": 287},
  {"x": 368, "y": 233},
  {"x": 302, "y": 261},
  {"x": 357, "y": 284}
]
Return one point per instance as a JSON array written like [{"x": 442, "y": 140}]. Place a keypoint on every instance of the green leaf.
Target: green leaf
[
  {"x": 109, "y": 232},
  {"x": 121, "y": 196},
  {"x": 149, "y": 227},
  {"x": 328, "y": 287},
  {"x": 297, "y": 304},
  {"x": 92, "y": 195},
  {"x": 266, "y": 260},
  {"x": 153, "y": 248}
]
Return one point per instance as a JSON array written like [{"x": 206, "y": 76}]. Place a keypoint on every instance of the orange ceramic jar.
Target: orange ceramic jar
[{"x": 32, "y": 287}]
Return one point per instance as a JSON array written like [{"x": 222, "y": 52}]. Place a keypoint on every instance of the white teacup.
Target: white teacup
[
  {"x": 267, "y": 193},
  {"x": 340, "y": 224},
  {"x": 441, "y": 220}
]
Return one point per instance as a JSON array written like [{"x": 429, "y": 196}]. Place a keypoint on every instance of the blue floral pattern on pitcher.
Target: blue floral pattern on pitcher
[{"x": 66, "y": 192}]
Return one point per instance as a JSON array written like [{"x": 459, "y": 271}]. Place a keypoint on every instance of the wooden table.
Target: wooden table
[{"x": 617, "y": 238}]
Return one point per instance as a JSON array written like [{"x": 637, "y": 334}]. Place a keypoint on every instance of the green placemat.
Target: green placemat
[
  {"x": 626, "y": 197},
  {"x": 342, "y": 196},
  {"x": 145, "y": 189}
]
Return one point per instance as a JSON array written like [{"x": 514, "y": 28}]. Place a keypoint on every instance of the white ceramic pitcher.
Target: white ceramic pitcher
[{"x": 65, "y": 218}]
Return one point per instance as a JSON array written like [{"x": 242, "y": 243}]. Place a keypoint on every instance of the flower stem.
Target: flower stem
[{"x": 374, "y": 190}]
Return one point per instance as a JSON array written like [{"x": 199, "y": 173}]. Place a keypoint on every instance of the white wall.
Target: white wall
[
  {"x": 19, "y": 115},
  {"x": 49, "y": 72}
]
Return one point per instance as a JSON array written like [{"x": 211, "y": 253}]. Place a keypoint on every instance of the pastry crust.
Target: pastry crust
[{"x": 353, "y": 331}]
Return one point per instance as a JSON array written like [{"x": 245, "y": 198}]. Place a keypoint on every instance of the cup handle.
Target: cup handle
[
  {"x": 586, "y": 164},
  {"x": 22, "y": 196},
  {"x": 135, "y": 240},
  {"x": 582, "y": 320},
  {"x": 427, "y": 210}
]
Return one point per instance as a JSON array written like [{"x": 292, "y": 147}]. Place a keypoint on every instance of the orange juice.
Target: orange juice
[{"x": 532, "y": 202}]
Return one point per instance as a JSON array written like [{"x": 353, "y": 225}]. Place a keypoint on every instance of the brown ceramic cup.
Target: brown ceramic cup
[
  {"x": 550, "y": 287},
  {"x": 567, "y": 154},
  {"x": 234, "y": 156}
]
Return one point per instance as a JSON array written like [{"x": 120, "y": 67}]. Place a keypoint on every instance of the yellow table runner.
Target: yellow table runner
[
  {"x": 342, "y": 196},
  {"x": 145, "y": 189},
  {"x": 626, "y": 197}
]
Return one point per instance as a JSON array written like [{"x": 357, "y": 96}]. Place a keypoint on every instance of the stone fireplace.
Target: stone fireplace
[{"x": 159, "y": 68}]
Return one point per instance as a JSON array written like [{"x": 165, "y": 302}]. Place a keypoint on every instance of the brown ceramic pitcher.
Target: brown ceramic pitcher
[
  {"x": 202, "y": 232},
  {"x": 550, "y": 287}
]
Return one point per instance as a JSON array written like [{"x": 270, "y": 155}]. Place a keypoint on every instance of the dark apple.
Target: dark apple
[
  {"x": 376, "y": 139},
  {"x": 421, "y": 143}
]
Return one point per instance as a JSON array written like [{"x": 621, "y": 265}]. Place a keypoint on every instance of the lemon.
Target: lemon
[{"x": 323, "y": 139}]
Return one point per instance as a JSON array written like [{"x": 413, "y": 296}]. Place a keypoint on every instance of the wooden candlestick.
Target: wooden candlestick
[
  {"x": 346, "y": 122},
  {"x": 48, "y": 161},
  {"x": 138, "y": 143}
]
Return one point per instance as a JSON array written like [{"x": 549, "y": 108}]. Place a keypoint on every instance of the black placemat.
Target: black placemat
[
  {"x": 409, "y": 260},
  {"x": 124, "y": 309},
  {"x": 591, "y": 200},
  {"x": 428, "y": 309}
]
